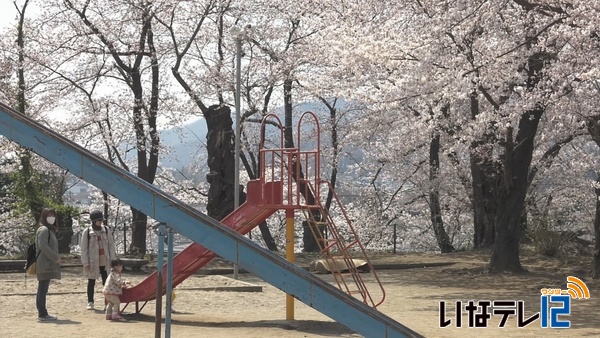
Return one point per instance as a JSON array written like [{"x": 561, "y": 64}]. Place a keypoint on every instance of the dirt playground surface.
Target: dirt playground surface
[{"x": 414, "y": 284}]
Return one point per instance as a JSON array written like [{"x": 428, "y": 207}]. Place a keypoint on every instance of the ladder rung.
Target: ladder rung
[
  {"x": 333, "y": 242},
  {"x": 351, "y": 244}
]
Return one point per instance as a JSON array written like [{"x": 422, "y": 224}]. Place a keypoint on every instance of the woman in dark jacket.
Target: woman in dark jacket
[{"x": 48, "y": 261}]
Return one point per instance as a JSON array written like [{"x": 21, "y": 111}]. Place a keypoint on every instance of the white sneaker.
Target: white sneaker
[{"x": 90, "y": 306}]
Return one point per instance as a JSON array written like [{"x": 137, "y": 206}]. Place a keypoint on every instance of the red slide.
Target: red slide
[{"x": 195, "y": 256}]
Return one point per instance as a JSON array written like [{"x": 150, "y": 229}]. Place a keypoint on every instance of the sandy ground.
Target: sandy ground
[{"x": 412, "y": 298}]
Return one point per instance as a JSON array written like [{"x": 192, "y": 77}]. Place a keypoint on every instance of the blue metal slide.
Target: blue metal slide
[{"x": 199, "y": 227}]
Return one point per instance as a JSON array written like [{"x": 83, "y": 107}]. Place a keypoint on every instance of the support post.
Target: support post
[
  {"x": 169, "y": 282},
  {"x": 289, "y": 255},
  {"x": 159, "y": 276},
  {"x": 238, "y": 81}
]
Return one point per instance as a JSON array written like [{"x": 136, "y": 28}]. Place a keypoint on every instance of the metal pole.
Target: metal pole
[
  {"x": 124, "y": 237},
  {"x": 159, "y": 281},
  {"x": 169, "y": 282},
  {"x": 289, "y": 254},
  {"x": 238, "y": 81}
]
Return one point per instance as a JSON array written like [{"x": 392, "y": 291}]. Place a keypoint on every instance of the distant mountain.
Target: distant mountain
[
  {"x": 188, "y": 142},
  {"x": 185, "y": 143}
]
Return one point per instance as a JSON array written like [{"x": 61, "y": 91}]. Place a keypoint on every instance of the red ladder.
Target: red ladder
[
  {"x": 299, "y": 172},
  {"x": 342, "y": 251}
]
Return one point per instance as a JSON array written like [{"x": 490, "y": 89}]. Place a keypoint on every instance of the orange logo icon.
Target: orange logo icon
[{"x": 577, "y": 288}]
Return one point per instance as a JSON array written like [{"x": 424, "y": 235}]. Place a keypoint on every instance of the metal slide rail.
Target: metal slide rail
[{"x": 199, "y": 227}]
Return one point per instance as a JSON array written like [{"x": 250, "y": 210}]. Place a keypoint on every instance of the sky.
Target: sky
[{"x": 7, "y": 13}]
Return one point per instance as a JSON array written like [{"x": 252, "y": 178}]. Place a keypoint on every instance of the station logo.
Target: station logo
[{"x": 555, "y": 305}]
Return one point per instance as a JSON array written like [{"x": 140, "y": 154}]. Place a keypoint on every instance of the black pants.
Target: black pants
[
  {"x": 40, "y": 298},
  {"x": 92, "y": 284}
]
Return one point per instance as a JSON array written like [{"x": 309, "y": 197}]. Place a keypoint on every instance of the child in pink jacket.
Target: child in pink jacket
[{"x": 113, "y": 288}]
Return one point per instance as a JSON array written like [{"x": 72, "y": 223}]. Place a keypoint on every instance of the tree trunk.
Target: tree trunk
[
  {"x": 307, "y": 236},
  {"x": 512, "y": 192},
  {"x": 335, "y": 146},
  {"x": 147, "y": 159},
  {"x": 596, "y": 264},
  {"x": 147, "y": 145},
  {"x": 64, "y": 232},
  {"x": 483, "y": 176},
  {"x": 594, "y": 130},
  {"x": 516, "y": 163},
  {"x": 311, "y": 241},
  {"x": 27, "y": 174},
  {"x": 593, "y": 127},
  {"x": 267, "y": 237},
  {"x": 221, "y": 162},
  {"x": 479, "y": 215},
  {"x": 138, "y": 233},
  {"x": 505, "y": 255},
  {"x": 434, "y": 196},
  {"x": 484, "y": 205}
]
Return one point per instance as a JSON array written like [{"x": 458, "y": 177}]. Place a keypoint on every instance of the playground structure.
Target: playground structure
[
  {"x": 288, "y": 178},
  {"x": 298, "y": 170}
]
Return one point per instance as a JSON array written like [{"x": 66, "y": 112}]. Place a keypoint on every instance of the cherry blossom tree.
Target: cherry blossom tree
[
  {"x": 496, "y": 73},
  {"x": 466, "y": 118},
  {"x": 85, "y": 46}
]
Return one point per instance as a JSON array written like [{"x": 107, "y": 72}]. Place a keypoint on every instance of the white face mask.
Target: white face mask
[{"x": 50, "y": 219}]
